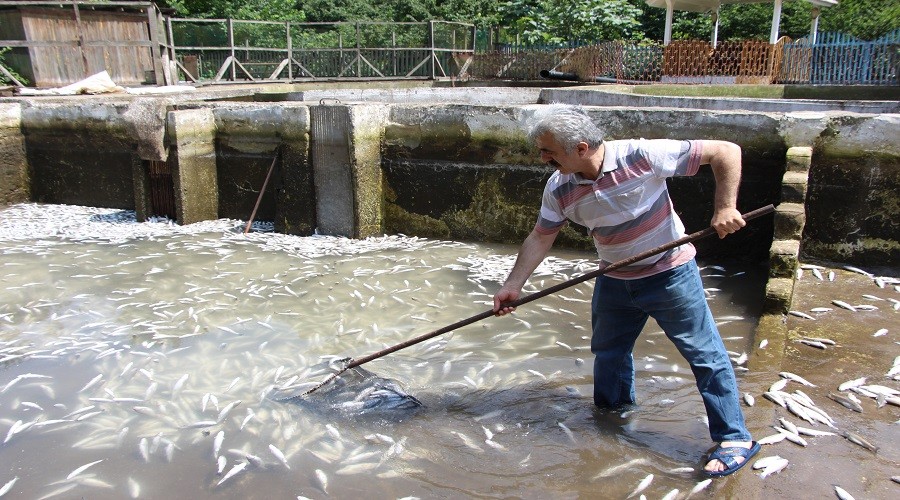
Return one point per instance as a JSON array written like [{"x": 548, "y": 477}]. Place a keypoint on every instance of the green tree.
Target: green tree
[
  {"x": 865, "y": 19},
  {"x": 558, "y": 21}
]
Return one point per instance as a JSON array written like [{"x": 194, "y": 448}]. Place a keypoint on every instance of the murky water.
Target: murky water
[{"x": 152, "y": 351}]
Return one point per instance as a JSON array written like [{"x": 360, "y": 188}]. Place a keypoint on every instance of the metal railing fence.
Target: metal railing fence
[
  {"x": 228, "y": 50},
  {"x": 839, "y": 59}
]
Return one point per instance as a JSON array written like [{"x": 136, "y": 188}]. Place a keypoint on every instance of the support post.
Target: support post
[
  {"x": 670, "y": 8},
  {"x": 193, "y": 133},
  {"x": 776, "y": 22}
]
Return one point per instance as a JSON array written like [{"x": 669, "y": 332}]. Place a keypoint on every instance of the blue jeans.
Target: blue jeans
[{"x": 675, "y": 299}]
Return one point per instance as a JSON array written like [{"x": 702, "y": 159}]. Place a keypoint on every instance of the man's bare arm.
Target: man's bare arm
[
  {"x": 531, "y": 254},
  {"x": 725, "y": 159}
]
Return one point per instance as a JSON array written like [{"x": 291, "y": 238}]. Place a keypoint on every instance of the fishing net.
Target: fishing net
[{"x": 350, "y": 391}]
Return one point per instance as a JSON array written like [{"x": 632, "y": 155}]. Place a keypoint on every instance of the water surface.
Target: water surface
[{"x": 134, "y": 345}]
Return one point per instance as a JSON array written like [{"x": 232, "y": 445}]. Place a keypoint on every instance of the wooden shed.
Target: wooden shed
[{"x": 53, "y": 44}]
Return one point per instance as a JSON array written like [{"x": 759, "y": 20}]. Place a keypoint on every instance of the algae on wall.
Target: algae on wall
[
  {"x": 853, "y": 200},
  {"x": 478, "y": 203},
  {"x": 852, "y": 208}
]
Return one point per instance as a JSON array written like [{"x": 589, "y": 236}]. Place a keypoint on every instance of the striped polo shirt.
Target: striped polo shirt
[{"x": 627, "y": 210}]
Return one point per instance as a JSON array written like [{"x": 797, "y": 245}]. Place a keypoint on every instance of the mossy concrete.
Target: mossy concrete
[
  {"x": 854, "y": 192},
  {"x": 14, "y": 185},
  {"x": 249, "y": 138},
  {"x": 473, "y": 139},
  {"x": 79, "y": 153},
  {"x": 192, "y": 132},
  {"x": 346, "y": 157}
]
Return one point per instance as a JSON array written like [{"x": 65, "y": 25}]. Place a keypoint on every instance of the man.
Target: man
[{"x": 617, "y": 190}]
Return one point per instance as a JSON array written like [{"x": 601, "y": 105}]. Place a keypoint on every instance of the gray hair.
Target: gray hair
[{"x": 567, "y": 124}]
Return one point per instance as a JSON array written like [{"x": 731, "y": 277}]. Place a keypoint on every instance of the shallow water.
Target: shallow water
[{"x": 136, "y": 345}]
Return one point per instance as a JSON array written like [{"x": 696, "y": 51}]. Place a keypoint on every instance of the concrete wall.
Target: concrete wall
[
  {"x": 249, "y": 138},
  {"x": 14, "y": 187},
  {"x": 461, "y": 171},
  {"x": 467, "y": 172},
  {"x": 853, "y": 204}
]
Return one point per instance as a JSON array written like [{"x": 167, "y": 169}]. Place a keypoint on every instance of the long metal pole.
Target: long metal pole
[{"x": 262, "y": 191}]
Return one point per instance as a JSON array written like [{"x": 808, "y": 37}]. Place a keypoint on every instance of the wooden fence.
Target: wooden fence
[{"x": 53, "y": 44}]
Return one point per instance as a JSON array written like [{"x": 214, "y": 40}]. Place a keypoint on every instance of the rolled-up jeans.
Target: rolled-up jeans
[{"x": 675, "y": 299}]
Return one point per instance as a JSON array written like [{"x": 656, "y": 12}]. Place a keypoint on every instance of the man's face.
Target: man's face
[{"x": 553, "y": 154}]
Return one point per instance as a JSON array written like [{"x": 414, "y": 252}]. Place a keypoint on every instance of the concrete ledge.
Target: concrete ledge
[
  {"x": 778, "y": 295},
  {"x": 789, "y": 221},
  {"x": 799, "y": 159},
  {"x": 783, "y": 258},
  {"x": 793, "y": 187}
]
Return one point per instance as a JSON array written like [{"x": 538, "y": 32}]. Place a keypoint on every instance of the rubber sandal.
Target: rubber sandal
[{"x": 727, "y": 457}]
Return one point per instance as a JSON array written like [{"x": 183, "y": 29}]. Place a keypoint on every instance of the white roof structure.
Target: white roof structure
[{"x": 712, "y": 7}]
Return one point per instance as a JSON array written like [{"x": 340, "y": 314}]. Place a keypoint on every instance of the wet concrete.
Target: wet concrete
[{"x": 829, "y": 461}]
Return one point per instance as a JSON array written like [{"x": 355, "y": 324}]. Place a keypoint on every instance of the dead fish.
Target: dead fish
[
  {"x": 842, "y": 493},
  {"x": 92, "y": 383},
  {"x": 699, "y": 487},
  {"x": 787, "y": 424},
  {"x": 778, "y": 385},
  {"x": 748, "y": 399},
  {"x": 217, "y": 443},
  {"x": 774, "y": 438},
  {"x": 852, "y": 383},
  {"x": 321, "y": 480},
  {"x": 200, "y": 424},
  {"x": 495, "y": 445},
  {"x": 845, "y": 401},
  {"x": 841, "y": 303},
  {"x": 813, "y": 432},
  {"x": 773, "y": 468},
  {"x": 813, "y": 343},
  {"x": 641, "y": 486},
  {"x": 794, "y": 438},
  {"x": 611, "y": 471},
  {"x": 179, "y": 384},
  {"x": 568, "y": 432},
  {"x": 82, "y": 469},
  {"x": 225, "y": 411},
  {"x": 671, "y": 495},
  {"x": 764, "y": 462},
  {"x": 879, "y": 333},
  {"x": 8, "y": 486},
  {"x": 800, "y": 314},
  {"x": 234, "y": 470},
  {"x": 796, "y": 378},
  {"x": 134, "y": 488},
  {"x": 279, "y": 455},
  {"x": 861, "y": 441},
  {"x": 467, "y": 441},
  {"x": 821, "y": 339}
]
